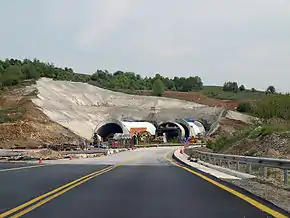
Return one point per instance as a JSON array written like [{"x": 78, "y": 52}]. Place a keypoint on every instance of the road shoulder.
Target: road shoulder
[{"x": 276, "y": 210}]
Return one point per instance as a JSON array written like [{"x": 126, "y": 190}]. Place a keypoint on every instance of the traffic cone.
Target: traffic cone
[
  {"x": 70, "y": 157},
  {"x": 40, "y": 161}
]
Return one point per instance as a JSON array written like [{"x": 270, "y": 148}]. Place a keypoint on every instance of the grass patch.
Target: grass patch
[
  {"x": 218, "y": 93},
  {"x": 9, "y": 115}
]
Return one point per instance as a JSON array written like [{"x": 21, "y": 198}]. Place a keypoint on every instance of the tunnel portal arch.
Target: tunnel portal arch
[
  {"x": 194, "y": 127},
  {"x": 171, "y": 129},
  {"x": 186, "y": 126},
  {"x": 110, "y": 127}
]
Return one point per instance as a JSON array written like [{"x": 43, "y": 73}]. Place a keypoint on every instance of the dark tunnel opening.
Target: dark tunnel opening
[
  {"x": 171, "y": 130},
  {"x": 186, "y": 130},
  {"x": 109, "y": 130}
]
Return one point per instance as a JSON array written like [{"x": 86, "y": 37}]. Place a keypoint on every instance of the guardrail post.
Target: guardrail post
[
  {"x": 237, "y": 166},
  {"x": 265, "y": 172},
  {"x": 249, "y": 168},
  {"x": 286, "y": 177},
  {"x": 221, "y": 162},
  {"x": 228, "y": 162}
]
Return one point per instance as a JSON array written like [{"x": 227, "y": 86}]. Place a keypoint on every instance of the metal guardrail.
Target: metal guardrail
[{"x": 283, "y": 164}]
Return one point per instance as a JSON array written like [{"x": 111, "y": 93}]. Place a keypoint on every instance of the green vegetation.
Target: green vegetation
[
  {"x": 273, "y": 106},
  {"x": 232, "y": 91},
  {"x": 252, "y": 132},
  {"x": 244, "y": 107},
  {"x": 13, "y": 71},
  {"x": 271, "y": 89},
  {"x": 231, "y": 87},
  {"x": 219, "y": 93},
  {"x": 9, "y": 115},
  {"x": 158, "y": 87},
  {"x": 274, "y": 111}
]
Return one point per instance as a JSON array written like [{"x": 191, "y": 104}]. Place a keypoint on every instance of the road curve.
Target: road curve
[{"x": 139, "y": 183}]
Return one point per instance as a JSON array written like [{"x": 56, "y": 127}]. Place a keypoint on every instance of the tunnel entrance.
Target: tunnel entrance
[
  {"x": 108, "y": 130},
  {"x": 186, "y": 130},
  {"x": 172, "y": 131}
]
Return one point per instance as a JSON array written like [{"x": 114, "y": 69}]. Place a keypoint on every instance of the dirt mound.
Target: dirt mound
[
  {"x": 45, "y": 154},
  {"x": 227, "y": 126},
  {"x": 31, "y": 128}
]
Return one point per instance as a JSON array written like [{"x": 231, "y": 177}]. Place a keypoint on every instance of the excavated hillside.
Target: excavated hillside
[
  {"x": 276, "y": 145},
  {"x": 23, "y": 125},
  {"x": 56, "y": 112},
  {"x": 81, "y": 107}
]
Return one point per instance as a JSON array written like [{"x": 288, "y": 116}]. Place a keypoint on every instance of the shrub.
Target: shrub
[
  {"x": 158, "y": 87},
  {"x": 244, "y": 107}
]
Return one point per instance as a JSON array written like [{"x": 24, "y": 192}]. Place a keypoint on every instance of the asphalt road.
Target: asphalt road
[{"x": 145, "y": 185}]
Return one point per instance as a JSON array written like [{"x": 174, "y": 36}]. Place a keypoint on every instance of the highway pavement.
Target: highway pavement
[{"x": 141, "y": 183}]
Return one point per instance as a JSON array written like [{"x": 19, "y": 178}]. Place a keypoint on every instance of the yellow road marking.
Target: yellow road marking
[
  {"x": 48, "y": 193},
  {"x": 20, "y": 168},
  {"x": 27, "y": 210},
  {"x": 232, "y": 191},
  {"x": 60, "y": 190}
]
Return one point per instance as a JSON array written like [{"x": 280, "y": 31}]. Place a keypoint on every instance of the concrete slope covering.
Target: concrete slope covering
[{"x": 82, "y": 107}]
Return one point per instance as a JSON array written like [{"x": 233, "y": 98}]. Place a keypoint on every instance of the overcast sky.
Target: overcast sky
[{"x": 239, "y": 40}]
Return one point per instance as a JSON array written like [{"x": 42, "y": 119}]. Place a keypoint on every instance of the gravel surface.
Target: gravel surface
[{"x": 277, "y": 196}]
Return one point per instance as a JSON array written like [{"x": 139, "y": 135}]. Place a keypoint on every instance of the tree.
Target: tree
[
  {"x": 11, "y": 76},
  {"x": 235, "y": 87},
  {"x": 33, "y": 69},
  {"x": 94, "y": 77},
  {"x": 158, "y": 87},
  {"x": 242, "y": 88},
  {"x": 30, "y": 72},
  {"x": 271, "y": 89},
  {"x": 230, "y": 87}
]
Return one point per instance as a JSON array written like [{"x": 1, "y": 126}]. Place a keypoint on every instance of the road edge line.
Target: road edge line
[
  {"x": 242, "y": 196},
  {"x": 24, "y": 167}
]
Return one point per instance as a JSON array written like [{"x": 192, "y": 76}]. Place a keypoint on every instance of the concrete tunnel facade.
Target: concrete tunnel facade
[
  {"x": 188, "y": 128},
  {"x": 178, "y": 127},
  {"x": 167, "y": 125},
  {"x": 113, "y": 126}
]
